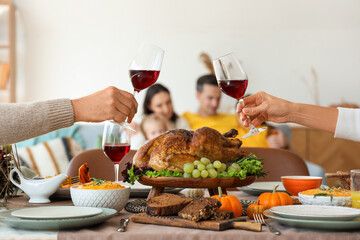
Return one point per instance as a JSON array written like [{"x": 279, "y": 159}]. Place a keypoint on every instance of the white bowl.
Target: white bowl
[
  {"x": 106, "y": 198},
  {"x": 324, "y": 200}
]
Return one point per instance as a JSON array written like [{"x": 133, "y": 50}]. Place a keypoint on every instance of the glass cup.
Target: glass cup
[{"x": 355, "y": 187}]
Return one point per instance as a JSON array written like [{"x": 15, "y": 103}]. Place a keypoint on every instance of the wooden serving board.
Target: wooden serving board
[
  {"x": 159, "y": 183},
  {"x": 181, "y": 182},
  {"x": 175, "y": 221}
]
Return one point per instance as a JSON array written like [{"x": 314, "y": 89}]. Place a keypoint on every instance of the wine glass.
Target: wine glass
[
  {"x": 233, "y": 81},
  {"x": 145, "y": 70},
  {"x": 115, "y": 143},
  {"x": 146, "y": 66}
]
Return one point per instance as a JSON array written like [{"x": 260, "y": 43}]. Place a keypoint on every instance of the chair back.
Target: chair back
[
  {"x": 278, "y": 162},
  {"x": 99, "y": 165}
]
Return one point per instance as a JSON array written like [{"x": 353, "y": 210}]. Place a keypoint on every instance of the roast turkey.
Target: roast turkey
[{"x": 174, "y": 148}]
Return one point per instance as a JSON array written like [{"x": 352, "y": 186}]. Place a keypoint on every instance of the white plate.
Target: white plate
[
  {"x": 136, "y": 186},
  {"x": 316, "y": 224},
  {"x": 55, "y": 224},
  {"x": 140, "y": 190},
  {"x": 258, "y": 188},
  {"x": 56, "y": 212},
  {"x": 267, "y": 186},
  {"x": 316, "y": 212}
]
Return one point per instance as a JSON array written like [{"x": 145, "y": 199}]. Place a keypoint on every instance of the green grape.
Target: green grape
[
  {"x": 205, "y": 161},
  {"x": 236, "y": 166},
  {"x": 196, "y": 173},
  {"x": 196, "y": 162},
  {"x": 213, "y": 173},
  {"x": 210, "y": 166},
  {"x": 231, "y": 168},
  {"x": 222, "y": 168},
  {"x": 204, "y": 173},
  {"x": 201, "y": 167},
  {"x": 217, "y": 164},
  {"x": 187, "y": 175},
  {"x": 188, "y": 167}
]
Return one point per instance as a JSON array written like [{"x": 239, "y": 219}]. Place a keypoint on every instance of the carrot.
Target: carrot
[{"x": 84, "y": 174}]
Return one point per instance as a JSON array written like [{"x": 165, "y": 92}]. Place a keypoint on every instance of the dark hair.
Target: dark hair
[
  {"x": 150, "y": 93},
  {"x": 206, "y": 79}
]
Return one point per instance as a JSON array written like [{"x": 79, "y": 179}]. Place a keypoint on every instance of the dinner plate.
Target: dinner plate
[
  {"x": 315, "y": 224},
  {"x": 316, "y": 212},
  {"x": 257, "y": 188},
  {"x": 139, "y": 190},
  {"x": 55, "y": 224},
  {"x": 56, "y": 212}
]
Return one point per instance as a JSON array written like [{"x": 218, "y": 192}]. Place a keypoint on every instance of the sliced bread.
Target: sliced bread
[
  {"x": 166, "y": 204},
  {"x": 200, "y": 209},
  {"x": 222, "y": 215}
]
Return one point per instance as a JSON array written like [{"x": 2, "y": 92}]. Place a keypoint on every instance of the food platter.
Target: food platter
[{"x": 180, "y": 182}]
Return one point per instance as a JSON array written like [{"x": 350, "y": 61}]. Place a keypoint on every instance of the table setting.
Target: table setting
[{"x": 156, "y": 197}]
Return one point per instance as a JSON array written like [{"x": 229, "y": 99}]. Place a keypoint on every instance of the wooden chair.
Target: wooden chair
[
  {"x": 100, "y": 166},
  {"x": 278, "y": 162}
]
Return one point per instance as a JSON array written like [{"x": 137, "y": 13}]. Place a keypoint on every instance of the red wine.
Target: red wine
[
  {"x": 234, "y": 88},
  {"x": 116, "y": 152},
  {"x": 142, "y": 79}
]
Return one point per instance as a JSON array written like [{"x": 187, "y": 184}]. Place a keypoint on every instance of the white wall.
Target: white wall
[{"x": 69, "y": 48}]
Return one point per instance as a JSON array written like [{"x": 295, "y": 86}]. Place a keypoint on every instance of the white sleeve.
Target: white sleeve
[{"x": 348, "y": 124}]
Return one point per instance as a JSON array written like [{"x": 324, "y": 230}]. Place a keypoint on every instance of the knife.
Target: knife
[{"x": 123, "y": 224}]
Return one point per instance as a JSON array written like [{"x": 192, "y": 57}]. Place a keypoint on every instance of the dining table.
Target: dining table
[{"x": 135, "y": 231}]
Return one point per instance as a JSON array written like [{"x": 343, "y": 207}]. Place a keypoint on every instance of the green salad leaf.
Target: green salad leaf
[
  {"x": 132, "y": 176},
  {"x": 252, "y": 165},
  {"x": 163, "y": 173}
]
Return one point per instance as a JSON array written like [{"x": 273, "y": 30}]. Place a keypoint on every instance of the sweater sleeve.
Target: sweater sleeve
[
  {"x": 348, "y": 124},
  {"x": 21, "y": 121}
]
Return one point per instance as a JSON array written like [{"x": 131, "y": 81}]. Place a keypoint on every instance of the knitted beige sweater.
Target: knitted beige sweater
[{"x": 21, "y": 121}]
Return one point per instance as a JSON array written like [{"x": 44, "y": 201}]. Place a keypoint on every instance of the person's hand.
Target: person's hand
[
  {"x": 262, "y": 107},
  {"x": 277, "y": 139},
  {"x": 108, "y": 104}
]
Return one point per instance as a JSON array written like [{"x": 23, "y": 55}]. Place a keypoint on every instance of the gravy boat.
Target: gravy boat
[{"x": 39, "y": 190}]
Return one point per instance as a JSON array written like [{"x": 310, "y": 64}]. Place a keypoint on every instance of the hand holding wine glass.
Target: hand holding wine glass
[
  {"x": 115, "y": 143},
  {"x": 233, "y": 81}
]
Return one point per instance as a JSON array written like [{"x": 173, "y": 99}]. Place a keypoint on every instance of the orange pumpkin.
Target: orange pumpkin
[
  {"x": 229, "y": 202},
  {"x": 275, "y": 198},
  {"x": 256, "y": 208}
]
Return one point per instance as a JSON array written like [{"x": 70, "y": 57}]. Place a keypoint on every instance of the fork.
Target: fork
[
  {"x": 71, "y": 180},
  {"x": 123, "y": 224},
  {"x": 260, "y": 219}
]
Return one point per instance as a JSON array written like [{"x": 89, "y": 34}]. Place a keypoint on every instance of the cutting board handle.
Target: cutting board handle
[{"x": 247, "y": 226}]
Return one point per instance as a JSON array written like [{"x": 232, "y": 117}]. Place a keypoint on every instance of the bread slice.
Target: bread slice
[
  {"x": 222, "y": 215},
  {"x": 200, "y": 209},
  {"x": 166, "y": 204}
]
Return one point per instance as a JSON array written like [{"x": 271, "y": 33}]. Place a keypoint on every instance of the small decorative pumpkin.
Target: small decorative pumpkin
[
  {"x": 256, "y": 208},
  {"x": 275, "y": 198},
  {"x": 229, "y": 202}
]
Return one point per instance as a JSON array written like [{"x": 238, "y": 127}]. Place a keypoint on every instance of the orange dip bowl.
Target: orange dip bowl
[{"x": 296, "y": 184}]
